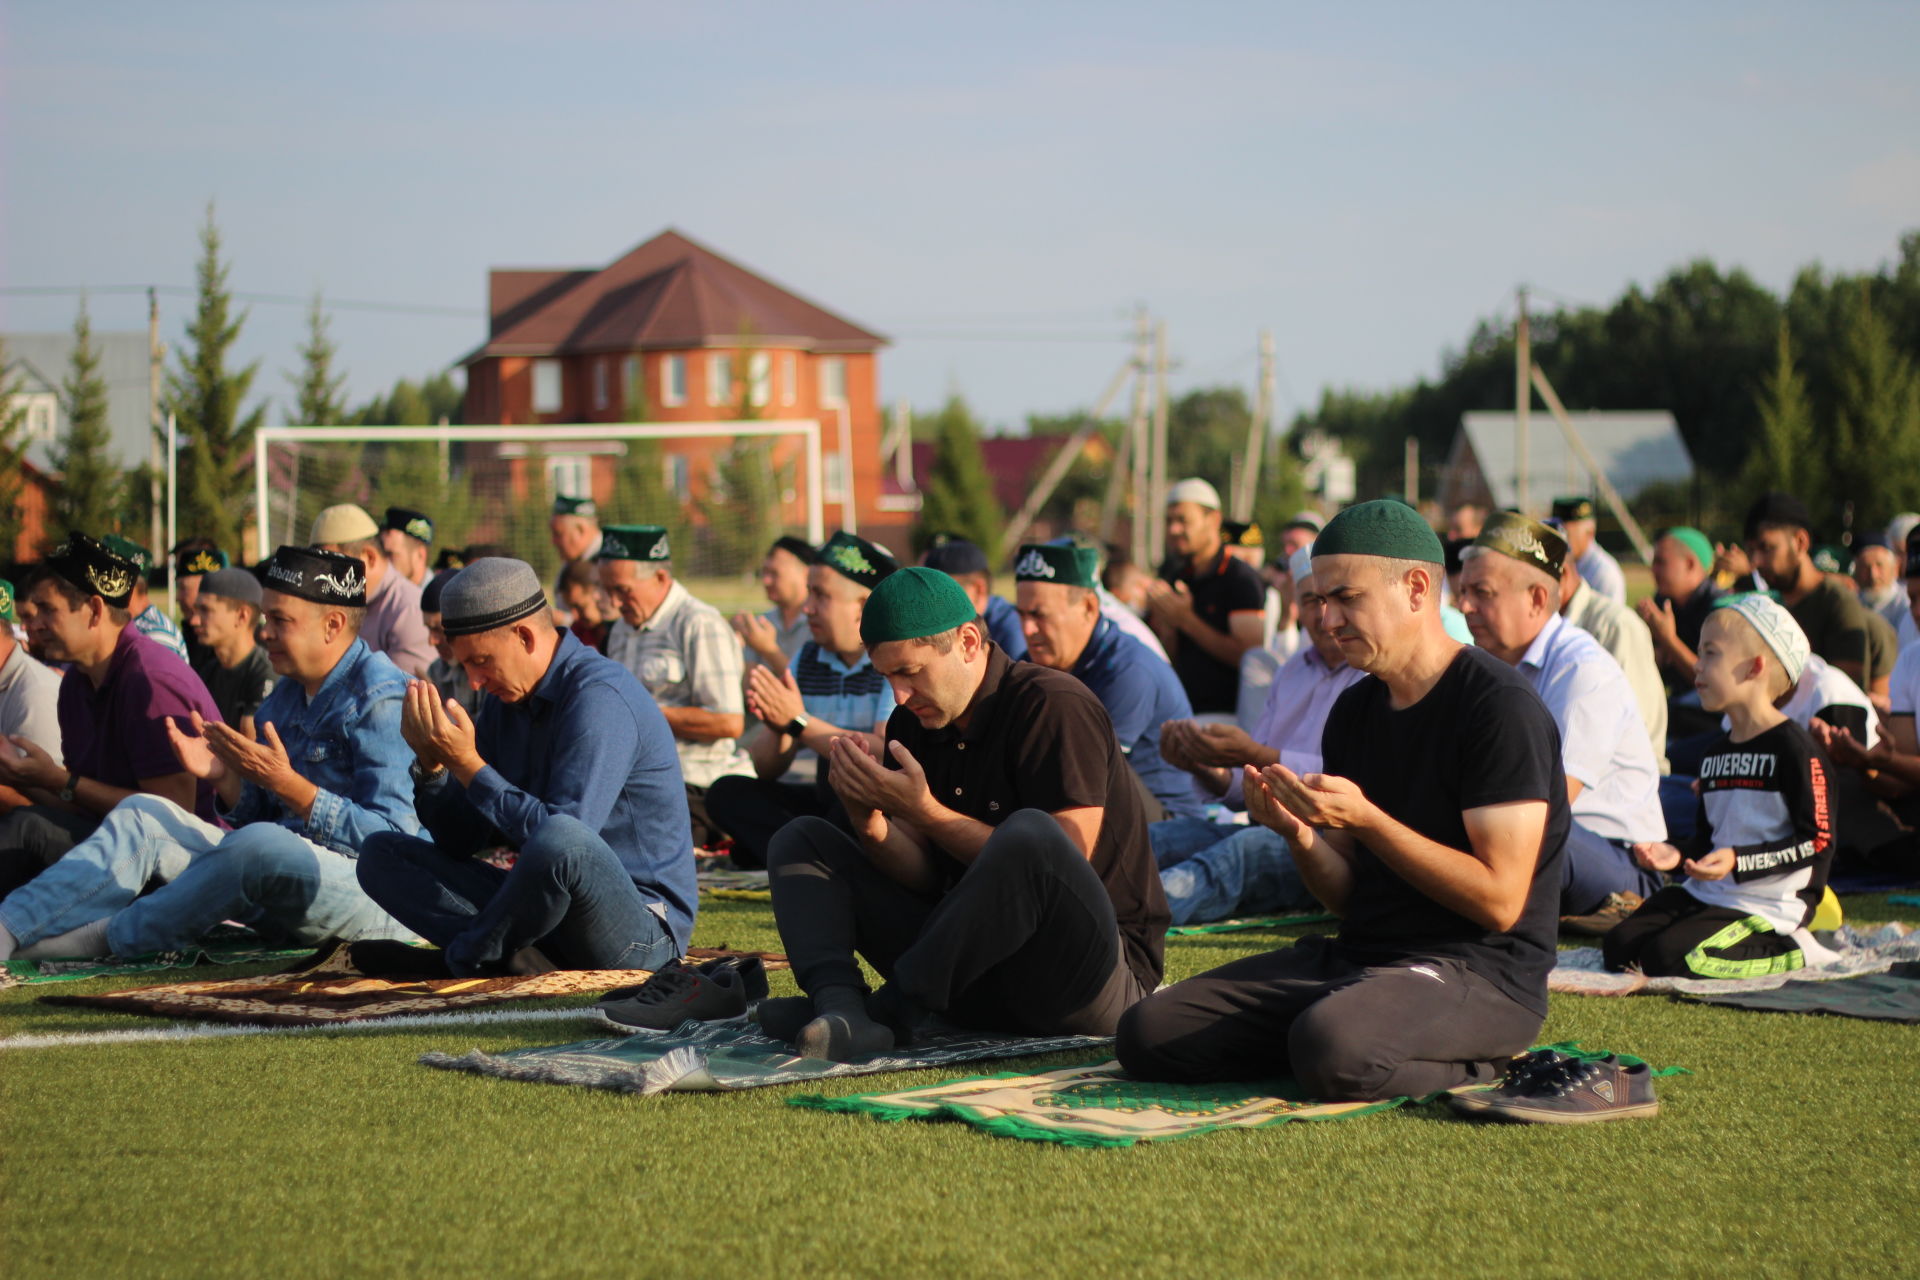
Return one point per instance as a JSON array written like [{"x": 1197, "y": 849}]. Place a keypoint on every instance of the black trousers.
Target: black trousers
[
  {"x": 1664, "y": 939},
  {"x": 752, "y": 811},
  {"x": 35, "y": 837},
  {"x": 1342, "y": 1030},
  {"x": 1024, "y": 941}
]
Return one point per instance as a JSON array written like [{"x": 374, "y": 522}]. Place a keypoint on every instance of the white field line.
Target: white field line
[{"x": 217, "y": 1031}]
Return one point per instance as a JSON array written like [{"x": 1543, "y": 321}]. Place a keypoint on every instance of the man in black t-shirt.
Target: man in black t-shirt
[
  {"x": 998, "y": 873},
  {"x": 1208, "y": 607},
  {"x": 1779, "y": 537},
  {"x": 225, "y": 611},
  {"x": 1435, "y": 833}
]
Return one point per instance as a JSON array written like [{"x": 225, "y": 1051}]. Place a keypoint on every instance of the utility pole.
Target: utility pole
[
  {"x": 1142, "y": 499},
  {"x": 1523, "y": 400},
  {"x": 1157, "y": 529},
  {"x": 154, "y": 457},
  {"x": 1411, "y": 461},
  {"x": 1259, "y": 430}
]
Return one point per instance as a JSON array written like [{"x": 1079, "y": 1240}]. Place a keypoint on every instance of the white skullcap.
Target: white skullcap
[
  {"x": 1300, "y": 563},
  {"x": 1194, "y": 489},
  {"x": 1777, "y": 629}
]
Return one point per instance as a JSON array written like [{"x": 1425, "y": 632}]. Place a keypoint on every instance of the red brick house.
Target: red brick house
[{"x": 673, "y": 332}]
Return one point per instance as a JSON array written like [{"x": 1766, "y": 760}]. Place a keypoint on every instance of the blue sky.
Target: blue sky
[{"x": 994, "y": 185}]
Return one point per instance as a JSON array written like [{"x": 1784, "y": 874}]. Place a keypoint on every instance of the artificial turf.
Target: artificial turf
[{"x": 1789, "y": 1151}]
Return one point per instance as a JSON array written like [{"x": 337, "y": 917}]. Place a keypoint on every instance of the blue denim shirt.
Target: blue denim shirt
[
  {"x": 1141, "y": 693},
  {"x": 346, "y": 741},
  {"x": 590, "y": 743}
]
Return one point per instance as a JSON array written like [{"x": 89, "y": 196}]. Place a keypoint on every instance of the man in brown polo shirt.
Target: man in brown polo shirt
[{"x": 998, "y": 874}]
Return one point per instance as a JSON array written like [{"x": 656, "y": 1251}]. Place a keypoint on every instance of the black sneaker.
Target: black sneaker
[
  {"x": 677, "y": 993},
  {"x": 752, "y": 971},
  {"x": 1544, "y": 1087}
]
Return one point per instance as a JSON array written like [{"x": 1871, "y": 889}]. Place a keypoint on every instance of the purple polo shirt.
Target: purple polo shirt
[{"x": 117, "y": 734}]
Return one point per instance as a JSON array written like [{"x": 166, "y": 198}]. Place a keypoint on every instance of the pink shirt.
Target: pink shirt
[{"x": 1298, "y": 700}]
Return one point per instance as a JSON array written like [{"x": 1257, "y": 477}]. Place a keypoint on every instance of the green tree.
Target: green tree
[
  {"x": 1784, "y": 456},
  {"x": 13, "y": 454},
  {"x": 88, "y": 497},
  {"x": 959, "y": 497},
  {"x": 317, "y": 399},
  {"x": 742, "y": 509},
  {"x": 642, "y": 494},
  {"x": 206, "y": 399},
  {"x": 1875, "y": 455}
]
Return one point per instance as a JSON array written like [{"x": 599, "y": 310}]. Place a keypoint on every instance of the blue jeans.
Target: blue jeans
[
  {"x": 567, "y": 894},
  {"x": 1595, "y": 867},
  {"x": 262, "y": 875},
  {"x": 1251, "y": 872},
  {"x": 1177, "y": 839}
]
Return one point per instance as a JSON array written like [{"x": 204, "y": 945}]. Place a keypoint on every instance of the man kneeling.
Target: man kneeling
[
  {"x": 999, "y": 873},
  {"x": 570, "y": 763},
  {"x": 1435, "y": 832}
]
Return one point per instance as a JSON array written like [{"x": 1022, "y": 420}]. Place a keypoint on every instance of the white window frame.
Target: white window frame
[
  {"x": 679, "y": 475},
  {"x": 832, "y": 370},
  {"x": 631, "y": 390},
  {"x": 833, "y": 477},
  {"x": 719, "y": 378},
  {"x": 601, "y": 390},
  {"x": 760, "y": 379},
  {"x": 549, "y": 386},
  {"x": 673, "y": 381},
  {"x": 570, "y": 475},
  {"x": 789, "y": 378}
]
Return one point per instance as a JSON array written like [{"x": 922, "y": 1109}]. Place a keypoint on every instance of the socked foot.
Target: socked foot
[{"x": 842, "y": 1037}]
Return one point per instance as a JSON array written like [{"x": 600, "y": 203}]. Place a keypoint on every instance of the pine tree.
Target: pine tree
[
  {"x": 1876, "y": 427},
  {"x": 1784, "y": 457},
  {"x": 317, "y": 387},
  {"x": 641, "y": 495},
  {"x": 88, "y": 497},
  {"x": 206, "y": 399},
  {"x": 13, "y": 453},
  {"x": 959, "y": 497},
  {"x": 743, "y": 508}
]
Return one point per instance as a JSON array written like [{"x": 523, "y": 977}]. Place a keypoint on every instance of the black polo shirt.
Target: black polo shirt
[
  {"x": 1039, "y": 739},
  {"x": 1228, "y": 586},
  {"x": 1689, "y": 616}
]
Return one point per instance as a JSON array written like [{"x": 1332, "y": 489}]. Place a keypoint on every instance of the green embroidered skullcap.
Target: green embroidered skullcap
[
  {"x": 1694, "y": 541},
  {"x": 201, "y": 560},
  {"x": 1383, "y": 527},
  {"x": 6, "y": 601},
  {"x": 128, "y": 549},
  {"x": 1528, "y": 541},
  {"x": 1573, "y": 507},
  {"x": 1066, "y": 566},
  {"x": 914, "y": 603},
  {"x": 417, "y": 525},
  {"x": 856, "y": 559},
  {"x": 582, "y": 507},
  {"x": 634, "y": 542}
]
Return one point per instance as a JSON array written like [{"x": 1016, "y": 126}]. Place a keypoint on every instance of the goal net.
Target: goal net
[{"x": 724, "y": 490}]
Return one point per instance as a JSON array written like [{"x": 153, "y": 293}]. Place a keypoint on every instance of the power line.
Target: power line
[{"x": 272, "y": 299}]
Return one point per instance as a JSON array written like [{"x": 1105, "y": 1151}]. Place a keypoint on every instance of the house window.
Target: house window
[
  {"x": 570, "y": 475},
  {"x": 833, "y": 475},
  {"x": 546, "y": 386},
  {"x": 630, "y": 389},
  {"x": 789, "y": 378},
  {"x": 679, "y": 476},
  {"x": 41, "y": 418},
  {"x": 759, "y": 379},
  {"x": 673, "y": 381},
  {"x": 602, "y": 392},
  {"x": 719, "y": 379},
  {"x": 833, "y": 381}
]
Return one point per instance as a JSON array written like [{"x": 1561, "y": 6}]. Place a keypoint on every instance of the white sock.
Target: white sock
[
  {"x": 7, "y": 944},
  {"x": 87, "y": 942}
]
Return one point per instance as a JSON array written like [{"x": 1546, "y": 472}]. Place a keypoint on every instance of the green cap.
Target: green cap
[
  {"x": 201, "y": 560},
  {"x": 634, "y": 542},
  {"x": 1067, "y": 566},
  {"x": 128, "y": 549},
  {"x": 1383, "y": 527},
  {"x": 1573, "y": 507},
  {"x": 6, "y": 601},
  {"x": 1693, "y": 540},
  {"x": 913, "y": 603},
  {"x": 583, "y": 507},
  {"x": 1528, "y": 541},
  {"x": 857, "y": 560}
]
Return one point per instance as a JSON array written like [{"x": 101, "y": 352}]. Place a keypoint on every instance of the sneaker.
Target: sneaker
[
  {"x": 677, "y": 993},
  {"x": 751, "y": 969},
  {"x": 1596, "y": 923},
  {"x": 1544, "y": 1087}
]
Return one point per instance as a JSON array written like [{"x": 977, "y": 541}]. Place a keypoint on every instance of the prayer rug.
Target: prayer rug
[
  {"x": 729, "y": 1055},
  {"x": 727, "y": 885},
  {"x": 1251, "y": 922},
  {"x": 1893, "y": 996},
  {"x": 330, "y": 991},
  {"x": 1853, "y": 952},
  {"x": 1098, "y": 1105},
  {"x": 14, "y": 973}
]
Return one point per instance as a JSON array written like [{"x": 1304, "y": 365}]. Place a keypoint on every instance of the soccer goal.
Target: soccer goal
[{"x": 724, "y": 489}]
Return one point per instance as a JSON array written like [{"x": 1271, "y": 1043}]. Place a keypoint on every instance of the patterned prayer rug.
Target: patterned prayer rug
[
  {"x": 1251, "y": 922},
  {"x": 1854, "y": 952},
  {"x": 330, "y": 991},
  {"x": 15, "y": 973},
  {"x": 729, "y": 1055}
]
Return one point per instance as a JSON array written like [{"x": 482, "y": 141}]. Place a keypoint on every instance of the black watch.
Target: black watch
[{"x": 797, "y": 725}]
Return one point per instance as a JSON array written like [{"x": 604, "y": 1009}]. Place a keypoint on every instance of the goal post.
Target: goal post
[{"x": 724, "y": 488}]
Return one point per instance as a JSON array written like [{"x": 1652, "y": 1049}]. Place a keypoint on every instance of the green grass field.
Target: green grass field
[{"x": 1790, "y": 1151}]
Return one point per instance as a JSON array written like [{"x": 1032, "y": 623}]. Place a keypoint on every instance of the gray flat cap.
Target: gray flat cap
[{"x": 488, "y": 594}]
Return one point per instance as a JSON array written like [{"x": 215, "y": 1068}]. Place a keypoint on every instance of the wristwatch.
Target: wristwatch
[
  {"x": 66, "y": 788},
  {"x": 797, "y": 725},
  {"x": 425, "y": 775}
]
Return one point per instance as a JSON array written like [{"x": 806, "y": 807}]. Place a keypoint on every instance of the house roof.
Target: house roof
[
  {"x": 669, "y": 292},
  {"x": 1014, "y": 462},
  {"x": 40, "y": 361},
  {"x": 1635, "y": 449}
]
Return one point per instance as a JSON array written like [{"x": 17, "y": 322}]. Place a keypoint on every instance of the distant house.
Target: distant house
[
  {"x": 37, "y": 363},
  {"x": 673, "y": 332},
  {"x": 1015, "y": 463},
  {"x": 1635, "y": 449}
]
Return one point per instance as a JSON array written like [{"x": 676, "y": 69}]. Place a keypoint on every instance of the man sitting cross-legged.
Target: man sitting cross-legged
[
  {"x": 1066, "y": 630},
  {"x": 998, "y": 873},
  {"x": 830, "y": 689},
  {"x": 571, "y": 763},
  {"x": 1435, "y": 832},
  {"x": 1217, "y": 870},
  {"x": 327, "y": 771}
]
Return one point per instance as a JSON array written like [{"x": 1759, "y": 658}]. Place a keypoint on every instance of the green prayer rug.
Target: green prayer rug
[
  {"x": 24, "y": 972},
  {"x": 1250, "y": 922},
  {"x": 1098, "y": 1105}
]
